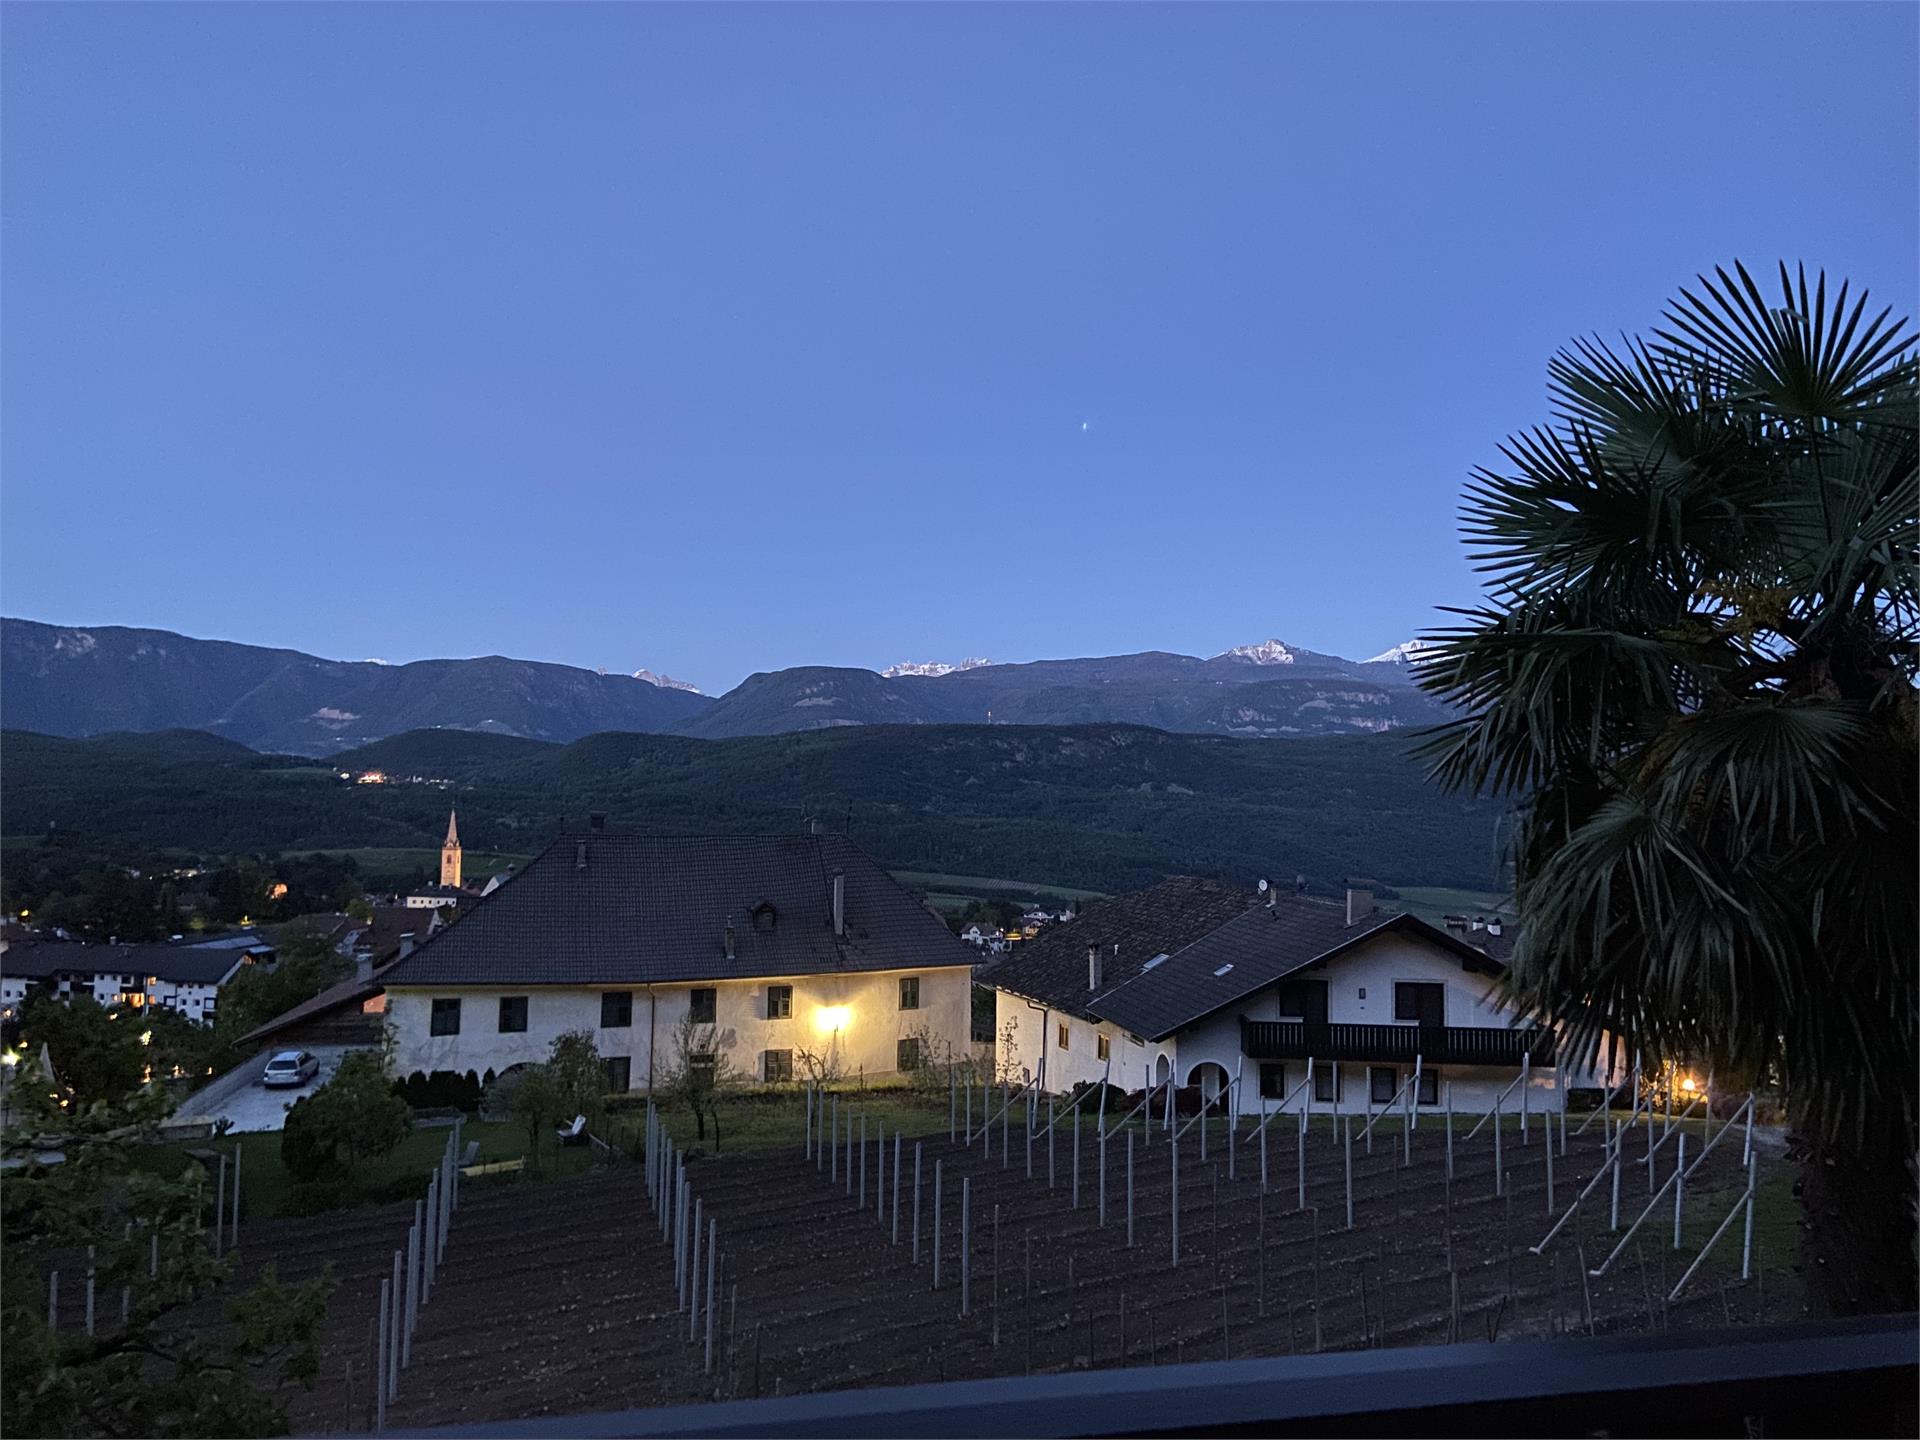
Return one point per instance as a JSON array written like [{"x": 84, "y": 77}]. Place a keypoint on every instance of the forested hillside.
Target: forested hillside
[{"x": 1107, "y": 807}]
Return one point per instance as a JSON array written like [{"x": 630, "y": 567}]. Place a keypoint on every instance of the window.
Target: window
[
  {"x": 1428, "y": 1091},
  {"x": 616, "y": 1010},
  {"x": 700, "y": 1067},
  {"x": 779, "y": 1003},
  {"x": 1382, "y": 1082},
  {"x": 513, "y": 1014},
  {"x": 1329, "y": 1085},
  {"x": 1424, "y": 1002},
  {"x": 776, "y": 1066},
  {"x": 1063, "y": 1035},
  {"x": 446, "y": 1018},
  {"x": 619, "y": 1074},
  {"x": 700, "y": 1005},
  {"x": 907, "y": 1055},
  {"x": 909, "y": 992},
  {"x": 1102, "y": 1047},
  {"x": 1273, "y": 1081}
]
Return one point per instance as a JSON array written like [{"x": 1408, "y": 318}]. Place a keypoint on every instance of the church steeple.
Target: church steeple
[{"x": 450, "y": 855}]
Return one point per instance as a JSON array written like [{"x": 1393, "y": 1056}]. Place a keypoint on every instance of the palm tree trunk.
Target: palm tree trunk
[{"x": 1858, "y": 1245}]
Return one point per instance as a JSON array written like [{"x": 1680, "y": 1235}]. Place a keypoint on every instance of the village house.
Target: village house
[
  {"x": 789, "y": 955},
  {"x": 182, "y": 977},
  {"x": 1209, "y": 985}
]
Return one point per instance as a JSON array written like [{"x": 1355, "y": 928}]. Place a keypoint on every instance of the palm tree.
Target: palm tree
[{"x": 1694, "y": 670}]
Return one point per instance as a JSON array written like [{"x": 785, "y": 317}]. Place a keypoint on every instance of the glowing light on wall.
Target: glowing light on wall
[
  {"x": 1686, "y": 1083},
  {"x": 829, "y": 1018}
]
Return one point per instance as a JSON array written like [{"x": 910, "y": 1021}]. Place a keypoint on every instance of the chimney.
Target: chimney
[
  {"x": 406, "y": 945},
  {"x": 580, "y": 855},
  {"x": 1360, "y": 905},
  {"x": 839, "y": 902},
  {"x": 1493, "y": 926},
  {"x": 1479, "y": 922},
  {"x": 729, "y": 941},
  {"x": 597, "y": 821},
  {"x": 1095, "y": 973},
  {"x": 363, "y": 966}
]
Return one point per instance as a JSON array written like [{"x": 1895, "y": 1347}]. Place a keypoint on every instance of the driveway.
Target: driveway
[{"x": 239, "y": 1098}]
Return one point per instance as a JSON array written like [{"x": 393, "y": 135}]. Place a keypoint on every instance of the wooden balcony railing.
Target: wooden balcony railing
[{"x": 1434, "y": 1044}]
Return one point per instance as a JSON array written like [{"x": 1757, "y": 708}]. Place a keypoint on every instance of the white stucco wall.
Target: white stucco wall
[
  {"x": 866, "y": 1040},
  {"x": 1036, "y": 1031}
]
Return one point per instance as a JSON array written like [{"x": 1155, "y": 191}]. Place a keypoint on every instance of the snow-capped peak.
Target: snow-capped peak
[
  {"x": 1267, "y": 652},
  {"x": 932, "y": 668},
  {"x": 665, "y": 682},
  {"x": 1400, "y": 654}
]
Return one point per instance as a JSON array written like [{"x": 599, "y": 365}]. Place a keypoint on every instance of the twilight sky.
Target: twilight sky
[{"x": 723, "y": 338}]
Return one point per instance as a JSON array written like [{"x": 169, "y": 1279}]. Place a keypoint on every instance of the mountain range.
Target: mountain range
[{"x": 79, "y": 681}]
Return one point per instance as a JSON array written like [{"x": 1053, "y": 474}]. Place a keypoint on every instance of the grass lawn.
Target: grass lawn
[{"x": 267, "y": 1191}]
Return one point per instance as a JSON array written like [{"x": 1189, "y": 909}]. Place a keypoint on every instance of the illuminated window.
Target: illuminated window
[
  {"x": 513, "y": 1014},
  {"x": 1063, "y": 1035},
  {"x": 446, "y": 1017},
  {"x": 907, "y": 1055},
  {"x": 776, "y": 1066},
  {"x": 909, "y": 992},
  {"x": 1101, "y": 1047},
  {"x": 700, "y": 1005},
  {"x": 779, "y": 1003},
  {"x": 616, "y": 1009}
]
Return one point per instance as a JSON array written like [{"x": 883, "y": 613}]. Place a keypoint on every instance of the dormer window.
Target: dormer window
[{"x": 763, "y": 916}]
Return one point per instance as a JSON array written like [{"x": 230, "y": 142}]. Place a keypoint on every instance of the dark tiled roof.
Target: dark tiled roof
[
  {"x": 180, "y": 964},
  {"x": 1250, "y": 952},
  {"x": 1052, "y": 967},
  {"x": 646, "y": 909},
  {"x": 352, "y": 992}
]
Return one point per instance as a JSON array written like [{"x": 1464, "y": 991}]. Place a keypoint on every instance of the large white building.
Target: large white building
[
  {"x": 790, "y": 956},
  {"x": 1215, "y": 988}
]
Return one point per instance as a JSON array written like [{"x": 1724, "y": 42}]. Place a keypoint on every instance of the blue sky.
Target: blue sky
[{"x": 722, "y": 338}]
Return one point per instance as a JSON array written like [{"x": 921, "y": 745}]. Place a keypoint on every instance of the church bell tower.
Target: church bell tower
[{"x": 450, "y": 856}]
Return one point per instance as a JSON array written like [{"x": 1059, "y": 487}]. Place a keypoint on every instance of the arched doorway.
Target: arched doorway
[
  {"x": 1212, "y": 1080},
  {"x": 1162, "y": 1068}
]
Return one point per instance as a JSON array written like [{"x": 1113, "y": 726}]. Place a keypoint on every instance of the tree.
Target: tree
[
  {"x": 352, "y": 1118},
  {"x": 1695, "y": 669},
  {"x": 698, "y": 1073},
  {"x": 304, "y": 965},
  {"x": 96, "y": 1052},
  {"x": 170, "y": 1369},
  {"x": 535, "y": 1101}
]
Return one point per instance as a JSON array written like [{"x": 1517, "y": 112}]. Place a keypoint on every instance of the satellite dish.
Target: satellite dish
[{"x": 1263, "y": 887}]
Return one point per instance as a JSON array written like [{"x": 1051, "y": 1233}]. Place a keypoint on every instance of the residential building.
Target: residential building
[
  {"x": 788, "y": 955},
  {"x": 1209, "y": 986},
  {"x": 181, "y": 977}
]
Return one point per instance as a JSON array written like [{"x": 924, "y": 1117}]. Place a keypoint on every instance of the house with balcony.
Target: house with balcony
[
  {"x": 790, "y": 955},
  {"x": 1207, "y": 985}
]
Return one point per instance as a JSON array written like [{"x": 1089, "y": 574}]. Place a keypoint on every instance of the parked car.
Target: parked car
[{"x": 290, "y": 1067}]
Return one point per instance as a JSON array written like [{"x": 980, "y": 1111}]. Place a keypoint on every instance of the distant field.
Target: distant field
[
  {"x": 376, "y": 861},
  {"x": 956, "y": 892},
  {"x": 1430, "y": 902}
]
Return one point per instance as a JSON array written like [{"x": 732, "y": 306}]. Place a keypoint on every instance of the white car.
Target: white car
[{"x": 290, "y": 1067}]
